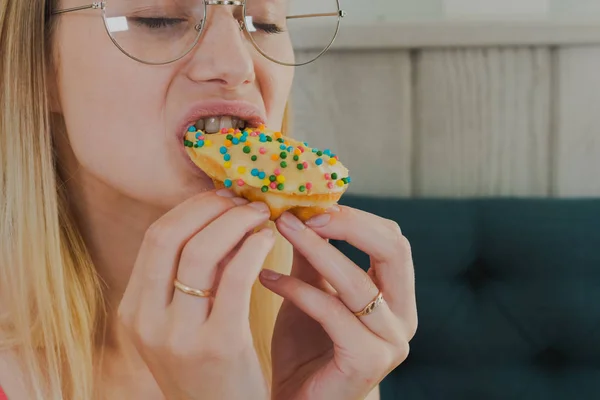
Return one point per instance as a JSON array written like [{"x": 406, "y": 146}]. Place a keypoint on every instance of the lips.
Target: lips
[{"x": 240, "y": 110}]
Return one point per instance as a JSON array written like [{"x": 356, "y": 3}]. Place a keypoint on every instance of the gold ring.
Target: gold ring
[
  {"x": 194, "y": 292},
  {"x": 376, "y": 302}
]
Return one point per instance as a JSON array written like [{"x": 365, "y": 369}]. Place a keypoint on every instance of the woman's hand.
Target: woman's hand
[
  {"x": 197, "y": 347},
  {"x": 321, "y": 350}
]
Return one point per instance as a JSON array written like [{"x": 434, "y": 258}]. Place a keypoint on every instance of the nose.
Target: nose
[{"x": 222, "y": 56}]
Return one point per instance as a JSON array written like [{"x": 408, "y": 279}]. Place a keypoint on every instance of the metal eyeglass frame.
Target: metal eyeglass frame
[{"x": 101, "y": 5}]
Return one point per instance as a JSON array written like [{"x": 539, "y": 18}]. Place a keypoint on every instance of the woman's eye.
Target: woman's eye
[
  {"x": 268, "y": 28},
  {"x": 158, "y": 22}
]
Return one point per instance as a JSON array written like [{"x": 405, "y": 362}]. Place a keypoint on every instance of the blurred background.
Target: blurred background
[{"x": 459, "y": 97}]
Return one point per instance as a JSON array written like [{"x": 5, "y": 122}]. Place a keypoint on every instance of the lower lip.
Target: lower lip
[{"x": 193, "y": 167}]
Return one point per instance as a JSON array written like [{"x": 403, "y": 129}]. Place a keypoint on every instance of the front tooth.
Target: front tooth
[
  {"x": 225, "y": 122},
  {"x": 235, "y": 122},
  {"x": 212, "y": 125},
  {"x": 200, "y": 124}
]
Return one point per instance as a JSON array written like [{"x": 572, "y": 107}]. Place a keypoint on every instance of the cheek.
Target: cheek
[
  {"x": 275, "y": 84},
  {"x": 114, "y": 112}
]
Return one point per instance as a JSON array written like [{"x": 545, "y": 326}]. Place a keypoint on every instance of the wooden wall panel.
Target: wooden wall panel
[
  {"x": 482, "y": 122},
  {"x": 359, "y": 105},
  {"x": 577, "y": 143}
]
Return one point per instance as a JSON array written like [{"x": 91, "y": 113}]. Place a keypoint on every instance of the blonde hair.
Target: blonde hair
[{"x": 51, "y": 296}]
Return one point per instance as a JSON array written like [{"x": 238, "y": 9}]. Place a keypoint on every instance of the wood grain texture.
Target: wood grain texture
[
  {"x": 359, "y": 105},
  {"x": 577, "y": 143},
  {"x": 482, "y": 122}
]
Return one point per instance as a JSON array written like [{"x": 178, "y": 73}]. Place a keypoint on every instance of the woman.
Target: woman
[{"x": 102, "y": 214}]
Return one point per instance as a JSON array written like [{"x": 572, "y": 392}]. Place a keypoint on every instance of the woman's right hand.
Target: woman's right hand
[{"x": 200, "y": 348}]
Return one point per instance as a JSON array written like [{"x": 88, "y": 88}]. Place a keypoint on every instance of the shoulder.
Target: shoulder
[{"x": 11, "y": 377}]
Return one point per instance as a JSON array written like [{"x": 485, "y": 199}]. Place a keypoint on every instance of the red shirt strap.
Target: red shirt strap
[{"x": 2, "y": 394}]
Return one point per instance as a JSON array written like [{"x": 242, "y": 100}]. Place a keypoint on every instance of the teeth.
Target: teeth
[
  {"x": 212, "y": 125},
  {"x": 215, "y": 124}
]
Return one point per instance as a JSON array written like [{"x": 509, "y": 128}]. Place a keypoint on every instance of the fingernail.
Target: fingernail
[
  {"x": 333, "y": 208},
  {"x": 319, "y": 221},
  {"x": 262, "y": 207},
  {"x": 267, "y": 232},
  {"x": 292, "y": 222},
  {"x": 270, "y": 275},
  {"x": 225, "y": 193},
  {"x": 239, "y": 201}
]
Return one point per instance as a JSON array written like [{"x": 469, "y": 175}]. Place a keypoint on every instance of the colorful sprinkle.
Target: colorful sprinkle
[
  {"x": 297, "y": 152},
  {"x": 300, "y": 167},
  {"x": 192, "y": 129},
  {"x": 330, "y": 185},
  {"x": 273, "y": 185},
  {"x": 254, "y": 158},
  {"x": 223, "y": 149},
  {"x": 240, "y": 182},
  {"x": 247, "y": 149},
  {"x": 334, "y": 176},
  {"x": 319, "y": 153},
  {"x": 319, "y": 161},
  {"x": 280, "y": 186},
  {"x": 208, "y": 142},
  {"x": 272, "y": 178},
  {"x": 242, "y": 170},
  {"x": 302, "y": 188},
  {"x": 290, "y": 149},
  {"x": 235, "y": 141},
  {"x": 283, "y": 164},
  {"x": 340, "y": 183},
  {"x": 296, "y": 158},
  {"x": 305, "y": 165},
  {"x": 332, "y": 161},
  {"x": 243, "y": 139},
  {"x": 327, "y": 177},
  {"x": 262, "y": 150},
  {"x": 229, "y": 137},
  {"x": 308, "y": 185},
  {"x": 200, "y": 143},
  {"x": 230, "y": 130},
  {"x": 264, "y": 189},
  {"x": 277, "y": 135},
  {"x": 277, "y": 171},
  {"x": 283, "y": 155},
  {"x": 223, "y": 130},
  {"x": 227, "y": 164},
  {"x": 281, "y": 179},
  {"x": 254, "y": 172},
  {"x": 228, "y": 143},
  {"x": 282, "y": 147},
  {"x": 262, "y": 175},
  {"x": 227, "y": 182},
  {"x": 274, "y": 157},
  {"x": 227, "y": 157}
]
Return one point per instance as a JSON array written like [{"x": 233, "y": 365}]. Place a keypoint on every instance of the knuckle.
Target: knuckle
[
  {"x": 364, "y": 284},
  {"x": 158, "y": 234},
  {"x": 400, "y": 353},
  {"x": 334, "y": 308}
]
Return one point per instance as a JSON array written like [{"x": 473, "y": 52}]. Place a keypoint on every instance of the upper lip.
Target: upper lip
[{"x": 241, "y": 109}]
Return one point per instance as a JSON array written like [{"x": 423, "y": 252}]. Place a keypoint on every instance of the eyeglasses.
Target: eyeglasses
[{"x": 287, "y": 32}]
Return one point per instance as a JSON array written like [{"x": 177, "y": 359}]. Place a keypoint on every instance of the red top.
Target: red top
[{"x": 2, "y": 395}]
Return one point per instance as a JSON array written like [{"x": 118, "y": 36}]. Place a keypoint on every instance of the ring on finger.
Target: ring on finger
[
  {"x": 373, "y": 304},
  {"x": 191, "y": 291}
]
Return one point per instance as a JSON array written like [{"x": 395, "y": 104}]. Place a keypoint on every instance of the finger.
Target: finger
[
  {"x": 202, "y": 254},
  {"x": 151, "y": 281},
  {"x": 355, "y": 287},
  {"x": 232, "y": 302},
  {"x": 330, "y": 312},
  {"x": 389, "y": 250},
  {"x": 303, "y": 270}
]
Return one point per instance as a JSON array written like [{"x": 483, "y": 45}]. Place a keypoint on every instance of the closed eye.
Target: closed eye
[
  {"x": 268, "y": 28},
  {"x": 158, "y": 22}
]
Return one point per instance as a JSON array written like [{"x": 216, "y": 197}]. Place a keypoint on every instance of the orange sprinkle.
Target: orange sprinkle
[
  {"x": 274, "y": 157},
  {"x": 230, "y": 130},
  {"x": 277, "y": 135},
  {"x": 297, "y": 152},
  {"x": 228, "y": 143}
]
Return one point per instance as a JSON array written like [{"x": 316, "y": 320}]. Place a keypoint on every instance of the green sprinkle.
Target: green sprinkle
[
  {"x": 345, "y": 180},
  {"x": 319, "y": 153},
  {"x": 247, "y": 149},
  {"x": 229, "y": 137},
  {"x": 302, "y": 188},
  {"x": 283, "y": 164},
  {"x": 296, "y": 158},
  {"x": 300, "y": 167},
  {"x": 272, "y": 178},
  {"x": 283, "y": 155},
  {"x": 269, "y": 139},
  {"x": 280, "y": 186},
  {"x": 334, "y": 176},
  {"x": 280, "y": 140},
  {"x": 264, "y": 189},
  {"x": 196, "y": 145},
  {"x": 254, "y": 158}
]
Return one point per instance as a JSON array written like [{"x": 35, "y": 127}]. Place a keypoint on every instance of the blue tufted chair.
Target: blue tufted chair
[{"x": 508, "y": 294}]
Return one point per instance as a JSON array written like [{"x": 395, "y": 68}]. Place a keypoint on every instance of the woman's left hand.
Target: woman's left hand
[{"x": 321, "y": 349}]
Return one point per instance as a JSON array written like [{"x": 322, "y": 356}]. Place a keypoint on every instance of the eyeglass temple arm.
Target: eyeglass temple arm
[
  {"x": 95, "y": 5},
  {"x": 340, "y": 13}
]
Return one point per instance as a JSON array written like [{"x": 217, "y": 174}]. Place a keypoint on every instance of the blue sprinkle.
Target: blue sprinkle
[
  {"x": 192, "y": 129},
  {"x": 235, "y": 141},
  {"x": 348, "y": 180},
  {"x": 243, "y": 139},
  {"x": 327, "y": 152},
  {"x": 306, "y": 144},
  {"x": 200, "y": 143},
  {"x": 262, "y": 139},
  {"x": 314, "y": 150},
  {"x": 262, "y": 175},
  {"x": 227, "y": 157},
  {"x": 223, "y": 149},
  {"x": 198, "y": 135},
  {"x": 282, "y": 146},
  {"x": 228, "y": 183},
  {"x": 319, "y": 161},
  {"x": 332, "y": 155},
  {"x": 290, "y": 149},
  {"x": 254, "y": 172}
]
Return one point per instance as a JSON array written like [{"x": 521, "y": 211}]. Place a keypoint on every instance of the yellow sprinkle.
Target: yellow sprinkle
[
  {"x": 332, "y": 161},
  {"x": 340, "y": 182},
  {"x": 281, "y": 179},
  {"x": 241, "y": 170},
  {"x": 227, "y": 164},
  {"x": 274, "y": 157},
  {"x": 228, "y": 143},
  {"x": 266, "y": 181},
  {"x": 297, "y": 152},
  {"x": 208, "y": 142}
]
